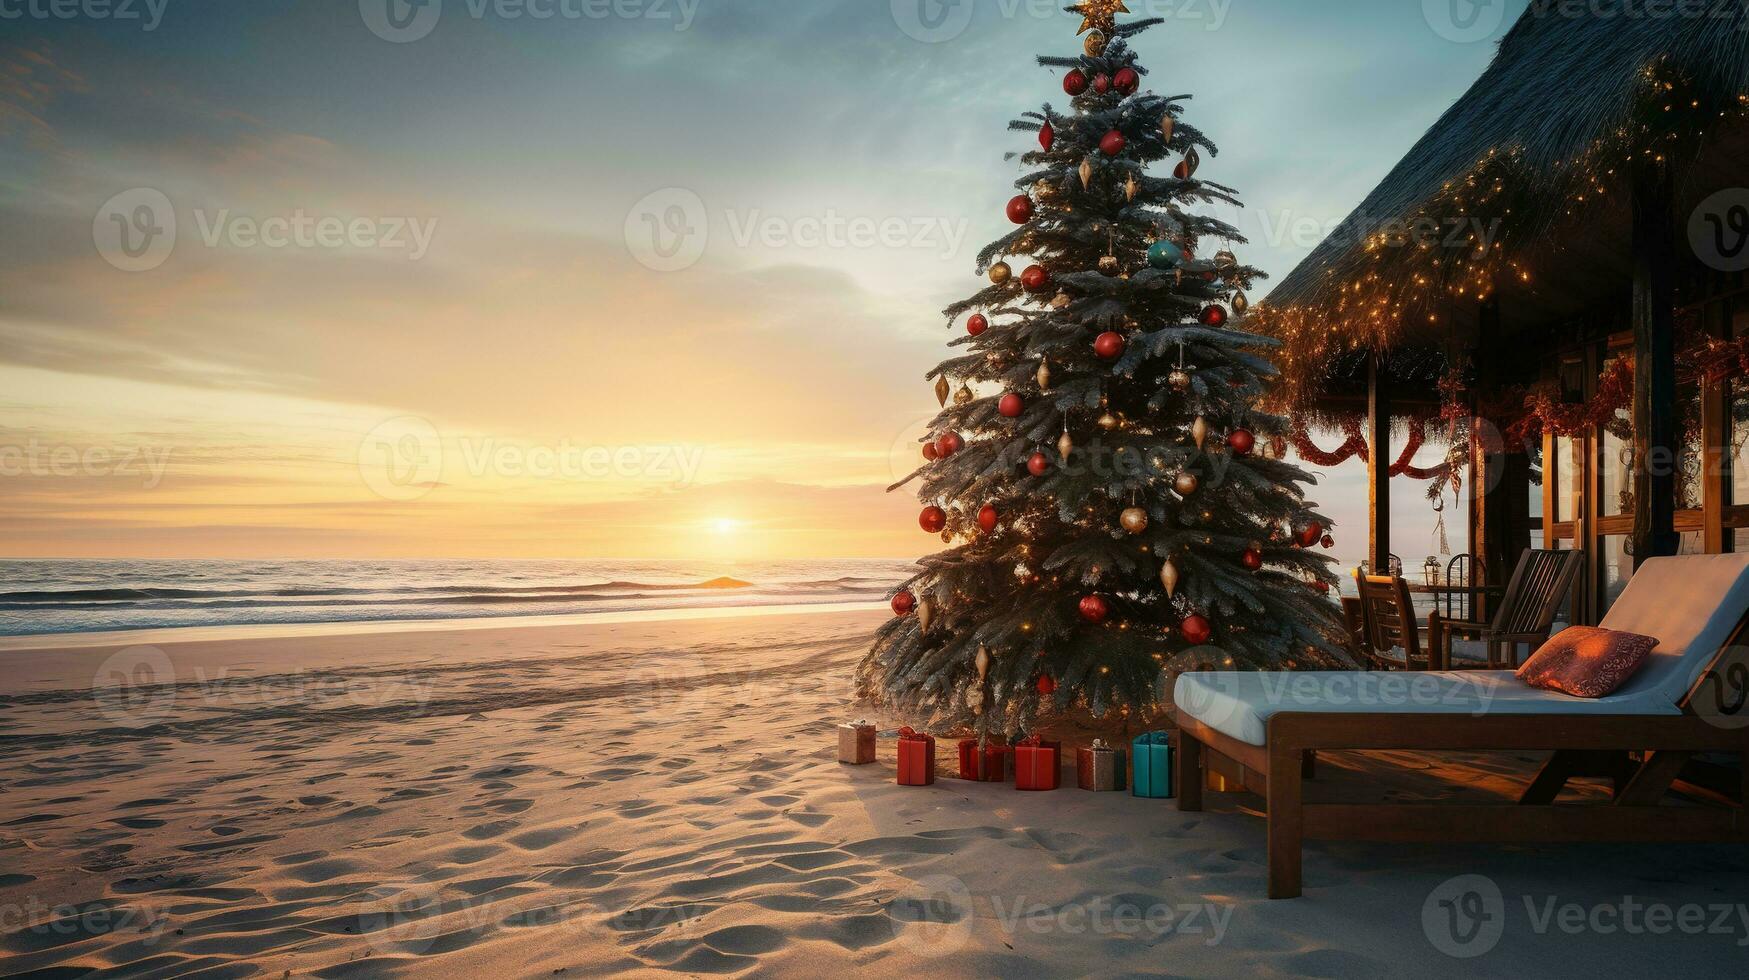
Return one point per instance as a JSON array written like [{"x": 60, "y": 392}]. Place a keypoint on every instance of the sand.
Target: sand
[{"x": 662, "y": 798}]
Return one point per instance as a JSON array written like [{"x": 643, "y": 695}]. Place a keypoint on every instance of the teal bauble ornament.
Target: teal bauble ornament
[{"x": 1164, "y": 255}]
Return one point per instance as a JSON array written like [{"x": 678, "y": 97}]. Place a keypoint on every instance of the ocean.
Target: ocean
[{"x": 40, "y": 596}]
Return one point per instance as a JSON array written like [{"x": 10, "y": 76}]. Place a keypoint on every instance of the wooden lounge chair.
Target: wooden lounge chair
[
  {"x": 1540, "y": 583},
  {"x": 1687, "y": 699},
  {"x": 1390, "y": 636}
]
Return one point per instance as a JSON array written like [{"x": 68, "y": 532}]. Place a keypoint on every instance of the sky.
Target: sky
[{"x": 585, "y": 278}]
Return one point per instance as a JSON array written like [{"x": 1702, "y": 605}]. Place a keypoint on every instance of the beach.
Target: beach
[{"x": 663, "y": 798}]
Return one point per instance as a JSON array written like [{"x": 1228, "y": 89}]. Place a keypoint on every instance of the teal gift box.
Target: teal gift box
[{"x": 1152, "y": 752}]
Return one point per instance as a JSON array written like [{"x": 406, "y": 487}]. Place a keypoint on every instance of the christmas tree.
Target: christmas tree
[{"x": 1116, "y": 504}]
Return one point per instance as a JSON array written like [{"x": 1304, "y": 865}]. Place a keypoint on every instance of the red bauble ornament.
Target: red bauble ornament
[
  {"x": 987, "y": 518},
  {"x": 1112, "y": 143},
  {"x": 1094, "y": 610},
  {"x": 1101, "y": 83},
  {"x": 1039, "y": 464},
  {"x": 1011, "y": 406},
  {"x": 1321, "y": 586},
  {"x": 1035, "y": 279},
  {"x": 1328, "y": 542},
  {"x": 1126, "y": 81},
  {"x": 1214, "y": 316},
  {"x": 1310, "y": 535},
  {"x": 1196, "y": 630},
  {"x": 932, "y": 520},
  {"x": 1241, "y": 441},
  {"x": 1109, "y": 345},
  {"x": 930, "y": 452},
  {"x": 1046, "y": 685},
  {"x": 904, "y": 603},
  {"x": 1075, "y": 82},
  {"x": 949, "y": 444},
  {"x": 1047, "y": 136},
  {"x": 1252, "y": 559},
  {"x": 1020, "y": 209},
  {"x": 1182, "y": 171},
  {"x": 977, "y": 324}
]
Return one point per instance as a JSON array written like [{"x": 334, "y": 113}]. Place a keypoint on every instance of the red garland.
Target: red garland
[
  {"x": 1355, "y": 445},
  {"x": 1542, "y": 413}
]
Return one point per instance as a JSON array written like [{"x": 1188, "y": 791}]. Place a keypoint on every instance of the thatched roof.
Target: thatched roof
[{"x": 1537, "y": 156}]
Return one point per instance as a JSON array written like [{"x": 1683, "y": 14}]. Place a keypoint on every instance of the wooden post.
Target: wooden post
[
  {"x": 1378, "y": 467},
  {"x": 1654, "y": 308}
]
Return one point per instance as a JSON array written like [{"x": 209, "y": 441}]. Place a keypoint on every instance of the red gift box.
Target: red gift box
[
  {"x": 916, "y": 758},
  {"x": 988, "y": 766},
  {"x": 1038, "y": 764}
]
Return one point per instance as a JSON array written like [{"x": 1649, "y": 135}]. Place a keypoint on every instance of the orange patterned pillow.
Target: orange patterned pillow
[{"x": 1586, "y": 662}]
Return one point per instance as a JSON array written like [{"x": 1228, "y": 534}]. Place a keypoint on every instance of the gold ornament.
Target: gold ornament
[
  {"x": 1169, "y": 578},
  {"x": 1199, "y": 431},
  {"x": 941, "y": 390},
  {"x": 1095, "y": 44},
  {"x": 1108, "y": 264},
  {"x": 1044, "y": 375},
  {"x": 963, "y": 396},
  {"x": 1065, "y": 445},
  {"x": 1129, "y": 188},
  {"x": 1108, "y": 421},
  {"x": 1086, "y": 174},
  {"x": 1000, "y": 273},
  {"x": 1186, "y": 484},
  {"x": 1225, "y": 259},
  {"x": 1179, "y": 379},
  {"x": 1059, "y": 301},
  {"x": 925, "y": 613},
  {"x": 1241, "y": 303},
  {"x": 1167, "y": 125},
  {"x": 1100, "y": 15},
  {"x": 983, "y": 661},
  {"x": 1134, "y": 520}
]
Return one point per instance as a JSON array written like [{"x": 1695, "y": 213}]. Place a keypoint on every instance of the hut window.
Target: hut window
[
  {"x": 1618, "y": 461},
  {"x": 1566, "y": 482}
]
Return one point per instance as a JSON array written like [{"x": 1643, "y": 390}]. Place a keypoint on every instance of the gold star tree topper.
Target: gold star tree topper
[{"x": 1101, "y": 14}]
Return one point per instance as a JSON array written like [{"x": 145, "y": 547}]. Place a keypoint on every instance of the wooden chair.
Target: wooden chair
[
  {"x": 1354, "y": 617},
  {"x": 1391, "y": 636},
  {"x": 1686, "y": 700},
  {"x": 1540, "y": 583}
]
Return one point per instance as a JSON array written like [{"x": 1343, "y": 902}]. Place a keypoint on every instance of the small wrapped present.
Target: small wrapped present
[
  {"x": 1153, "y": 755},
  {"x": 1100, "y": 768},
  {"x": 1037, "y": 764},
  {"x": 856, "y": 743},
  {"x": 916, "y": 758},
  {"x": 987, "y": 766}
]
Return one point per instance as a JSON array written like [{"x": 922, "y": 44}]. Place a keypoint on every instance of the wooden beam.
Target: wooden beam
[
  {"x": 1513, "y": 823},
  {"x": 1378, "y": 467},
  {"x": 1654, "y": 308}
]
